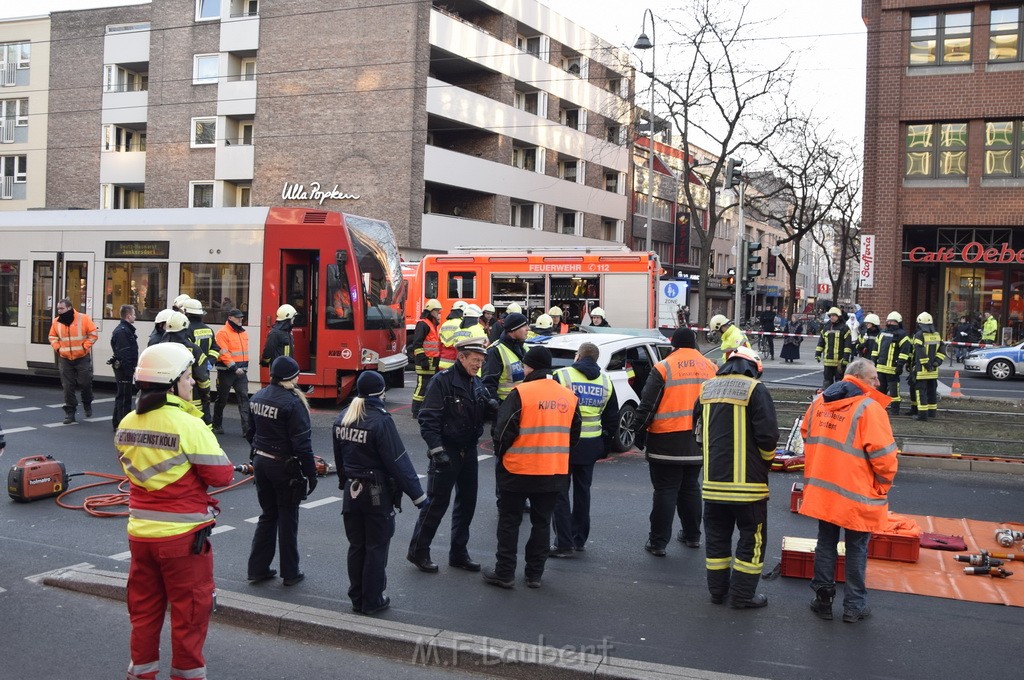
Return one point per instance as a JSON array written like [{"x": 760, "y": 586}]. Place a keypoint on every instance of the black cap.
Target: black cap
[
  {"x": 538, "y": 358},
  {"x": 684, "y": 337},
  {"x": 284, "y": 368},
  {"x": 370, "y": 384},
  {"x": 236, "y": 313},
  {"x": 515, "y": 321}
]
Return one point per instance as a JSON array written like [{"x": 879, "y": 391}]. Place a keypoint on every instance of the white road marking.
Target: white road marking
[
  {"x": 97, "y": 419},
  {"x": 221, "y": 528},
  {"x": 38, "y": 578},
  {"x": 122, "y": 557},
  {"x": 11, "y": 396},
  {"x": 18, "y": 429},
  {"x": 484, "y": 456},
  {"x": 103, "y": 400},
  {"x": 58, "y": 424},
  {"x": 60, "y": 405},
  {"x": 796, "y": 377},
  {"x": 3, "y": 590},
  {"x": 253, "y": 520},
  {"x": 322, "y": 501},
  {"x": 24, "y": 410}
]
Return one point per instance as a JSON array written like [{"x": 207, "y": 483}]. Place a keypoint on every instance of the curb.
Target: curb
[
  {"x": 952, "y": 462},
  {"x": 416, "y": 645}
]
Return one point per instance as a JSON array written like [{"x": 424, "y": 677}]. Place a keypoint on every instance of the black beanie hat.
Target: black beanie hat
[
  {"x": 514, "y": 321},
  {"x": 370, "y": 384},
  {"x": 284, "y": 368},
  {"x": 684, "y": 337},
  {"x": 538, "y": 358}
]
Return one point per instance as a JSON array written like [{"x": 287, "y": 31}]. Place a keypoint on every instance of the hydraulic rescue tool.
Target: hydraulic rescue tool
[
  {"x": 994, "y": 572},
  {"x": 1007, "y": 537}
]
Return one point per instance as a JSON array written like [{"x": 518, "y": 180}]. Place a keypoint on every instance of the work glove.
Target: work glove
[
  {"x": 424, "y": 504},
  {"x": 440, "y": 459},
  {"x": 239, "y": 371},
  {"x": 423, "y": 362},
  {"x": 818, "y": 358},
  {"x": 311, "y": 485}
]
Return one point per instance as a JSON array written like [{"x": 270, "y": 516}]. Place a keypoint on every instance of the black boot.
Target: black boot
[
  {"x": 894, "y": 408},
  {"x": 822, "y": 602}
]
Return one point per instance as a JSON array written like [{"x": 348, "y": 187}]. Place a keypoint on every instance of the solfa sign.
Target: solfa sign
[{"x": 867, "y": 261}]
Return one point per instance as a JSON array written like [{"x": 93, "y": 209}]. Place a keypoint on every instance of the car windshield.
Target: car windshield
[{"x": 562, "y": 357}]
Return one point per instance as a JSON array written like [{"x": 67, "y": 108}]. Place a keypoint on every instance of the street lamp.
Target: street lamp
[{"x": 645, "y": 43}]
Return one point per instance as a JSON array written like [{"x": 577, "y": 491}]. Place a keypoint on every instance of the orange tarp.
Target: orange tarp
[{"x": 937, "y": 574}]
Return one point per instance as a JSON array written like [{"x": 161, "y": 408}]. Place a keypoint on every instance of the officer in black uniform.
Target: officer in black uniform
[
  {"x": 124, "y": 344},
  {"x": 451, "y": 422},
  {"x": 374, "y": 471},
  {"x": 176, "y": 330},
  {"x": 203, "y": 336},
  {"x": 285, "y": 470}
]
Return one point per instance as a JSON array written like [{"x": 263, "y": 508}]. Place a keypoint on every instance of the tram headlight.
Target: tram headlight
[{"x": 369, "y": 357}]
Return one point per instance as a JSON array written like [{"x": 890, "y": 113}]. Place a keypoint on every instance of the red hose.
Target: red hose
[{"x": 94, "y": 505}]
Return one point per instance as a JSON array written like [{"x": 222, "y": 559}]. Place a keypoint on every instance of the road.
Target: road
[{"x": 643, "y": 607}]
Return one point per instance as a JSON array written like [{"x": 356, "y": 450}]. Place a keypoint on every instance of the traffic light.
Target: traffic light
[
  {"x": 730, "y": 279},
  {"x": 753, "y": 259},
  {"x": 733, "y": 173}
]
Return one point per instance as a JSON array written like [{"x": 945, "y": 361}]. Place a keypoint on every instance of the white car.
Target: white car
[{"x": 627, "y": 359}]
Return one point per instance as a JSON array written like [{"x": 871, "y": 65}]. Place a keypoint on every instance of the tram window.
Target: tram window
[
  {"x": 339, "y": 298},
  {"x": 380, "y": 273},
  {"x": 220, "y": 287},
  {"x": 143, "y": 285},
  {"x": 461, "y": 285},
  {"x": 9, "y": 293}
]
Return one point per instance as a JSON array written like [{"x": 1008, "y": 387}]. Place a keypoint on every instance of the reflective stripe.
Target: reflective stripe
[
  {"x": 545, "y": 421},
  {"x": 583, "y": 388},
  {"x": 512, "y": 372},
  {"x": 749, "y": 567},
  {"x": 676, "y": 459},
  {"x": 177, "y": 517},
  {"x": 834, "y": 488},
  {"x": 190, "y": 674},
  {"x": 143, "y": 476},
  {"x": 136, "y": 670},
  {"x": 717, "y": 563},
  {"x": 545, "y": 429},
  {"x": 536, "y": 449}
]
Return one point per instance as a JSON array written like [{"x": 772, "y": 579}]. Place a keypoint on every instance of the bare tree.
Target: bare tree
[{"x": 838, "y": 236}]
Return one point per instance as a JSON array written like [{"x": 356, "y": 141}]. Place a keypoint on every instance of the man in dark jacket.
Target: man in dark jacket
[
  {"x": 503, "y": 368},
  {"x": 279, "y": 339},
  {"x": 599, "y": 409},
  {"x": 177, "y": 331},
  {"x": 736, "y": 476},
  {"x": 204, "y": 337},
  {"x": 125, "y": 345},
  {"x": 537, "y": 425},
  {"x": 451, "y": 422},
  {"x": 498, "y": 325}
]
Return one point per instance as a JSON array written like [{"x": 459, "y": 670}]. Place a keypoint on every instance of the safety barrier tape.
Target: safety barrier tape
[{"x": 777, "y": 334}]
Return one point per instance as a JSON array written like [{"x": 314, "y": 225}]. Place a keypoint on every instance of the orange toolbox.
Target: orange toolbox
[{"x": 895, "y": 547}]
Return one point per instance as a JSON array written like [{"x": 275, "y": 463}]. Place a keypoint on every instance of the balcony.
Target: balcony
[
  {"x": 126, "y": 44},
  {"x": 236, "y": 98},
  {"x": 240, "y": 34},
  {"x": 234, "y": 162},
  {"x": 123, "y": 167},
  {"x": 125, "y": 107}
]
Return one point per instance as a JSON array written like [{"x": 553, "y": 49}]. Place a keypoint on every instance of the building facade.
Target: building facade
[
  {"x": 944, "y": 160},
  {"x": 24, "y": 74}
]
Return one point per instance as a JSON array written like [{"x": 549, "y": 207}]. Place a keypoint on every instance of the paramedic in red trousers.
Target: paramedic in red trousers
[
  {"x": 72, "y": 335},
  {"x": 738, "y": 431},
  {"x": 374, "y": 471},
  {"x": 232, "y": 370},
  {"x": 536, "y": 426},
  {"x": 850, "y": 466},
  {"x": 171, "y": 458},
  {"x": 665, "y": 431},
  {"x": 124, "y": 345},
  {"x": 285, "y": 470},
  {"x": 599, "y": 410}
]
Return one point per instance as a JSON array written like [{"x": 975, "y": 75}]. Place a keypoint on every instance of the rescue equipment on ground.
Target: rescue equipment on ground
[
  {"x": 1007, "y": 537},
  {"x": 35, "y": 477}
]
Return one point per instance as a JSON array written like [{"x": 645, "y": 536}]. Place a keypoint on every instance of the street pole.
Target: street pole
[
  {"x": 741, "y": 264},
  {"x": 645, "y": 43}
]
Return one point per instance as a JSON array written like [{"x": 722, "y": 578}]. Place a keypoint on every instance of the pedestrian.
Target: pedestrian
[
  {"x": 3, "y": 443},
  {"x": 929, "y": 353},
  {"x": 738, "y": 432},
  {"x": 498, "y": 327},
  {"x": 834, "y": 348},
  {"x": 892, "y": 354},
  {"x": 962, "y": 335},
  {"x": 446, "y": 335},
  {"x": 989, "y": 329},
  {"x": 170, "y": 458},
  {"x": 683, "y": 315},
  {"x": 558, "y": 326},
  {"x": 844, "y": 491},
  {"x": 203, "y": 336},
  {"x": 279, "y": 339},
  {"x": 72, "y": 335},
  {"x": 599, "y": 410},
  {"x": 284, "y": 469},
  {"x": 664, "y": 422},
  {"x": 867, "y": 343},
  {"x": 451, "y": 423},
  {"x": 159, "y": 327},
  {"x": 374, "y": 471},
  {"x": 124, "y": 344},
  {"x": 536, "y": 426},
  {"x": 732, "y": 337},
  {"x": 232, "y": 370},
  {"x": 598, "y": 318},
  {"x": 426, "y": 351},
  {"x": 791, "y": 343}
]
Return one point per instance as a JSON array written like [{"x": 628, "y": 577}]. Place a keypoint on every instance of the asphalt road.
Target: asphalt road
[{"x": 643, "y": 607}]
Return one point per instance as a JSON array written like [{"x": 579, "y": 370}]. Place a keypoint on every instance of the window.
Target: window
[
  {"x": 205, "y": 69},
  {"x": 524, "y": 216},
  {"x": 201, "y": 194},
  {"x": 244, "y": 196},
  {"x": 219, "y": 286},
  {"x": 612, "y": 230},
  {"x": 573, "y": 65},
  {"x": 119, "y": 79},
  {"x": 115, "y": 197},
  {"x": 247, "y": 70},
  {"x": 615, "y": 134},
  {"x": 570, "y": 223},
  {"x": 615, "y": 85},
  {"x": 141, "y": 284},
  {"x": 461, "y": 284},
  {"x": 528, "y": 101},
  {"x": 940, "y": 39},
  {"x": 1004, "y": 151},
  {"x": 9, "y": 293},
  {"x": 14, "y": 168},
  {"x": 207, "y": 10},
  {"x": 527, "y": 158},
  {"x": 1004, "y": 34},
  {"x": 117, "y": 138},
  {"x": 529, "y": 45},
  {"x": 567, "y": 170},
  {"x": 15, "y": 110},
  {"x": 936, "y": 150},
  {"x": 611, "y": 182},
  {"x": 204, "y": 132},
  {"x": 661, "y": 210},
  {"x": 571, "y": 118},
  {"x": 245, "y": 132},
  {"x": 16, "y": 54}
]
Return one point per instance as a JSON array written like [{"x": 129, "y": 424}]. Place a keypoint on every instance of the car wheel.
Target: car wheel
[
  {"x": 1000, "y": 369},
  {"x": 624, "y": 435}
]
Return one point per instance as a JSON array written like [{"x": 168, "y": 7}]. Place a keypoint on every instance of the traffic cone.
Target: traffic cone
[{"x": 955, "y": 390}]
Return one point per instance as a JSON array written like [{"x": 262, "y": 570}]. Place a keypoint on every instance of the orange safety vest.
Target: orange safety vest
[
  {"x": 545, "y": 424},
  {"x": 850, "y": 460},
  {"x": 683, "y": 372},
  {"x": 234, "y": 346},
  {"x": 342, "y": 303},
  {"x": 74, "y": 341},
  {"x": 431, "y": 344}
]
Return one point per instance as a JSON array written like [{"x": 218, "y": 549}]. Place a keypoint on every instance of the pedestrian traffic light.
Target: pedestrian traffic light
[
  {"x": 753, "y": 259},
  {"x": 733, "y": 173},
  {"x": 730, "y": 279}
]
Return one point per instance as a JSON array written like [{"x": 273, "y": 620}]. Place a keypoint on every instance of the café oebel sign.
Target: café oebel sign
[{"x": 972, "y": 253}]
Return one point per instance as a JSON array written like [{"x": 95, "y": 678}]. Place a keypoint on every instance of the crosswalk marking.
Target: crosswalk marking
[
  {"x": 122, "y": 557},
  {"x": 13, "y": 430},
  {"x": 103, "y": 400},
  {"x": 322, "y": 501},
  {"x": 60, "y": 405},
  {"x": 97, "y": 419},
  {"x": 3, "y": 590},
  {"x": 11, "y": 396},
  {"x": 253, "y": 520},
  {"x": 24, "y": 410},
  {"x": 58, "y": 424},
  {"x": 221, "y": 528},
  {"x": 484, "y": 456}
]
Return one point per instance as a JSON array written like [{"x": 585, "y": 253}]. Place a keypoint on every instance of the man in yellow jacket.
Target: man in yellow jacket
[{"x": 72, "y": 335}]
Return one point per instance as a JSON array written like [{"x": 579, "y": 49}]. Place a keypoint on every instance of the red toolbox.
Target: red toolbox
[
  {"x": 895, "y": 547},
  {"x": 35, "y": 477},
  {"x": 798, "y": 558},
  {"x": 796, "y": 497}
]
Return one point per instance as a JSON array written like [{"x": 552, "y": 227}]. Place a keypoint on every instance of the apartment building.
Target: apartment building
[
  {"x": 463, "y": 123},
  {"x": 944, "y": 160},
  {"x": 24, "y": 72}
]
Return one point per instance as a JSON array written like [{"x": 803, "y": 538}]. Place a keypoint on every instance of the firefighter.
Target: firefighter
[
  {"x": 470, "y": 328},
  {"x": 285, "y": 471},
  {"x": 178, "y": 305},
  {"x": 170, "y": 514},
  {"x": 834, "y": 348},
  {"x": 542, "y": 327},
  {"x": 232, "y": 370},
  {"x": 503, "y": 368},
  {"x": 204, "y": 337},
  {"x": 177, "y": 332},
  {"x": 426, "y": 351},
  {"x": 536, "y": 427},
  {"x": 498, "y": 327},
  {"x": 124, "y": 345},
  {"x": 890, "y": 356},
  {"x": 599, "y": 409},
  {"x": 487, "y": 319},
  {"x": 279, "y": 339},
  {"x": 738, "y": 432},
  {"x": 598, "y": 319},
  {"x": 72, "y": 335},
  {"x": 664, "y": 422},
  {"x": 867, "y": 343},
  {"x": 558, "y": 326},
  {"x": 374, "y": 471},
  {"x": 159, "y": 326},
  {"x": 929, "y": 353},
  {"x": 732, "y": 336},
  {"x": 446, "y": 335}
]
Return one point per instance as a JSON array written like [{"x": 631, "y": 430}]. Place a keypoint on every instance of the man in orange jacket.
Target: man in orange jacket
[
  {"x": 72, "y": 335},
  {"x": 851, "y": 463},
  {"x": 232, "y": 370}
]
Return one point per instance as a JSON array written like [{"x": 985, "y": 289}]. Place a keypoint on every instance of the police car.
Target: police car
[
  {"x": 627, "y": 359},
  {"x": 998, "y": 363}
]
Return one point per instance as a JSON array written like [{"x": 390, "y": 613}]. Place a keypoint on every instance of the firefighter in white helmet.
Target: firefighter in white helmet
[
  {"x": 929, "y": 353},
  {"x": 557, "y": 324},
  {"x": 598, "y": 318},
  {"x": 498, "y": 326},
  {"x": 890, "y": 356},
  {"x": 834, "y": 348},
  {"x": 279, "y": 340},
  {"x": 732, "y": 337},
  {"x": 867, "y": 343}
]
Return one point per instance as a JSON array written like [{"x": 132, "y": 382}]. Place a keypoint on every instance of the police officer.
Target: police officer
[
  {"x": 170, "y": 513},
  {"x": 834, "y": 348},
  {"x": 503, "y": 368},
  {"x": 732, "y": 337},
  {"x": 890, "y": 356},
  {"x": 374, "y": 471},
  {"x": 203, "y": 336},
  {"x": 177, "y": 332},
  {"x": 285, "y": 470},
  {"x": 929, "y": 353},
  {"x": 989, "y": 329},
  {"x": 498, "y": 326},
  {"x": 125, "y": 346},
  {"x": 451, "y": 422},
  {"x": 279, "y": 339},
  {"x": 426, "y": 351},
  {"x": 738, "y": 432},
  {"x": 232, "y": 370},
  {"x": 446, "y": 335}
]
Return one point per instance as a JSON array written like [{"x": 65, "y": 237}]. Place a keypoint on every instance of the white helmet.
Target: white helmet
[
  {"x": 286, "y": 312},
  {"x": 544, "y": 321},
  {"x": 895, "y": 316},
  {"x": 925, "y": 318},
  {"x": 432, "y": 304},
  {"x": 873, "y": 318},
  {"x": 717, "y": 321},
  {"x": 514, "y": 308},
  {"x": 597, "y": 311},
  {"x": 163, "y": 315},
  {"x": 835, "y": 311},
  {"x": 179, "y": 302},
  {"x": 193, "y": 306},
  {"x": 750, "y": 355},
  {"x": 488, "y": 308},
  {"x": 472, "y": 312},
  {"x": 459, "y": 304},
  {"x": 176, "y": 322},
  {"x": 555, "y": 311},
  {"x": 163, "y": 363}
]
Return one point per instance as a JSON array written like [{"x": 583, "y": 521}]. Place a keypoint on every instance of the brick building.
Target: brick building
[{"x": 944, "y": 159}]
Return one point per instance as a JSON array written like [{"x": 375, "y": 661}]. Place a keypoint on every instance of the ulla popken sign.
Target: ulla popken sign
[
  {"x": 298, "y": 192},
  {"x": 971, "y": 253}
]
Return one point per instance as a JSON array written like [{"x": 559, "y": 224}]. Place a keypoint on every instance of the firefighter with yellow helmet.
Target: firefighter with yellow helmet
[{"x": 426, "y": 351}]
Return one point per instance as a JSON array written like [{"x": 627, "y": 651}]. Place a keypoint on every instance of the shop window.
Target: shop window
[
  {"x": 9, "y": 293},
  {"x": 220, "y": 287},
  {"x": 143, "y": 285},
  {"x": 940, "y": 39},
  {"x": 1004, "y": 34},
  {"x": 1004, "y": 151},
  {"x": 936, "y": 151}
]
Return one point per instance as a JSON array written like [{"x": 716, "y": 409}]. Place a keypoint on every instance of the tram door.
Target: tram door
[
  {"x": 299, "y": 287},
  {"x": 56, "y": 276}
]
